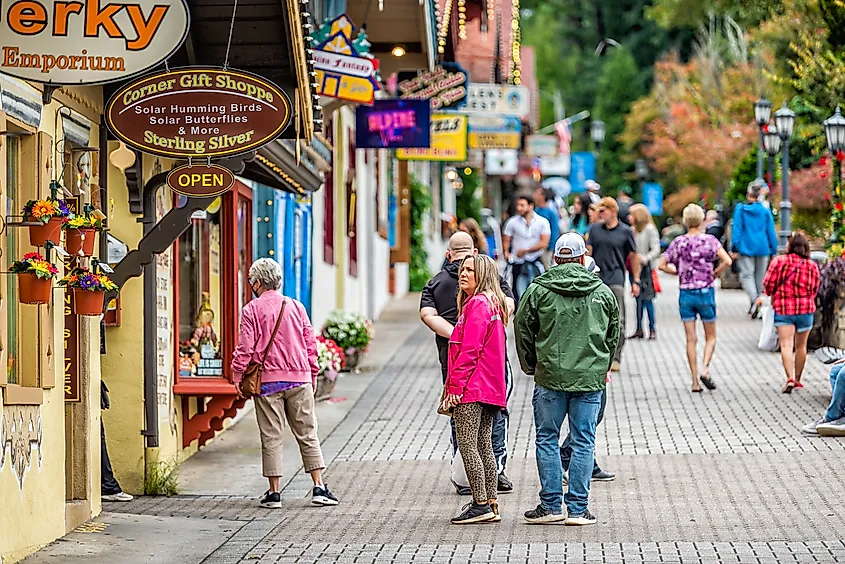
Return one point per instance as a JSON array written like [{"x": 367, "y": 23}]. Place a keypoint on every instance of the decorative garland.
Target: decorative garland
[
  {"x": 462, "y": 19},
  {"x": 516, "y": 39},
  {"x": 443, "y": 30}
]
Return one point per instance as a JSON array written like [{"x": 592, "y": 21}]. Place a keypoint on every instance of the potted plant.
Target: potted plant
[
  {"x": 330, "y": 360},
  {"x": 89, "y": 290},
  {"x": 831, "y": 300},
  {"x": 49, "y": 213},
  {"x": 35, "y": 278},
  {"x": 80, "y": 231},
  {"x": 352, "y": 332}
]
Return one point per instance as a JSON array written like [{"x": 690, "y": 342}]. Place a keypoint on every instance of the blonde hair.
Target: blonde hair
[
  {"x": 693, "y": 215},
  {"x": 641, "y": 216},
  {"x": 487, "y": 281}
]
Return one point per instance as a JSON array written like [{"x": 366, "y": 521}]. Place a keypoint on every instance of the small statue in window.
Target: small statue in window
[{"x": 204, "y": 338}]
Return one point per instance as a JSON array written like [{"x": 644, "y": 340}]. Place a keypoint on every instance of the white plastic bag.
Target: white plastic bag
[
  {"x": 459, "y": 473},
  {"x": 768, "y": 334}
]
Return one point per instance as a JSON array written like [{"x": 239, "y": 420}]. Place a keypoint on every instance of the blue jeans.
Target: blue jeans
[
  {"x": 645, "y": 306},
  {"x": 550, "y": 409},
  {"x": 836, "y": 410},
  {"x": 566, "y": 447}
]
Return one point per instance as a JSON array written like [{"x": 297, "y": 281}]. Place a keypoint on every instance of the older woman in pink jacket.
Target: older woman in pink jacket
[
  {"x": 475, "y": 385},
  {"x": 287, "y": 381}
]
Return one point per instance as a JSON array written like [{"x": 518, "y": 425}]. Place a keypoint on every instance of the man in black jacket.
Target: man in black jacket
[{"x": 439, "y": 311}]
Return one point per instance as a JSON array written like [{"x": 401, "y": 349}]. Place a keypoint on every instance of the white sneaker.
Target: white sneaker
[
  {"x": 832, "y": 428},
  {"x": 122, "y": 496},
  {"x": 811, "y": 429}
]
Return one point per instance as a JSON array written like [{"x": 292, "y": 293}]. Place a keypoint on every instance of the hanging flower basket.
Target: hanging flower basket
[
  {"x": 89, "y": 290},
  {"x": 80, "y": 241},
  {"x": 50, "y": 213},
  {"x": 35, "y": 278},
  {"x": 88, "y": 302}
]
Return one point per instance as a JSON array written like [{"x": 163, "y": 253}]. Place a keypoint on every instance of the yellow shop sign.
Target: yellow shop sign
[
  {"x": 485, "y": 140},
  {"x": 448, "y": 141}
]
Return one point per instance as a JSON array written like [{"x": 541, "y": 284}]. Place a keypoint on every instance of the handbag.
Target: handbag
[
  {"x": 768, "y": 340},
  {"x": 656, "y": 281},
  {"x": 441, "y": 409},
  {"x": 251, "y": 383}
]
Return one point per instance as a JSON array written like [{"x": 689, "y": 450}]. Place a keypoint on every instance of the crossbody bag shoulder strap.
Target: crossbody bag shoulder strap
[
  {"x": 787, "y": 278},
  {"x": 275, "y": 331}
]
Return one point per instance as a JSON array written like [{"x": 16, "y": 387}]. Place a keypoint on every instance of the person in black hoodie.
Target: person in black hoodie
[{"x": 439, "y": 311}]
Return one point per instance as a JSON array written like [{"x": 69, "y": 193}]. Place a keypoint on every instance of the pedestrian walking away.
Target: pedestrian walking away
[
  {"x": 475, "y": 386},
  {"x": 691, "y": 257},
  {"x": 439, "y": 312},
  {"x": 647, "y": 240},
  {"x": 792, "y": 282},
  {"x": 753, "y": 242},
  {"x": 567, "y": 329},
  {"x": 276, "y": 333},
  {"x": 542, "y": 199},
  {"x": 624, "y": 201},
  {"x": 529, "y": 234},
  {"x": 611, "y": 243},
  {"x": 832, "y": 424}
]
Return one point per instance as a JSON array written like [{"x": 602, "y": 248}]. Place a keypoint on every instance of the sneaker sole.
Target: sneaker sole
[
  {"x": 320, "y": 500},
  {"x": 830, "y": 432},
  {"x": 602, "y": 479},
  {"x": 272, "y": 505},
  {"x": 479, "y": 519},
  {"x": 504, "y": 491},
  {"x": 496, "y": 519},
  {"x": 546, "y": 519},
  {"x": 579, "y": 521}
]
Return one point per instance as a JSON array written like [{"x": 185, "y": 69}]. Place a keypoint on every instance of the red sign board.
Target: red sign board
[{"x": 198, "y": 112}]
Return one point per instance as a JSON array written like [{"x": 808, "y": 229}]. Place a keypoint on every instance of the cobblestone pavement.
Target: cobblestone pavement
[{"x": 724, "y": 476}]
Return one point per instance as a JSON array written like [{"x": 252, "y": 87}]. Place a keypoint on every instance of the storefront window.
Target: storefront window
[
  {"x": 200, "y": 296},
  {"x": 13, "y": 204}
]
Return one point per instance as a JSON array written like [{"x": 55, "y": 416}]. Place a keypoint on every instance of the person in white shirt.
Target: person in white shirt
[
  {"x": 594, "y": 190},
  {"x": 525, "y": 237}
]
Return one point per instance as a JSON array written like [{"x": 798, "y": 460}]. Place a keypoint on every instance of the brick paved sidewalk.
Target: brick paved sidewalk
[{"x": 724, "y": 476}]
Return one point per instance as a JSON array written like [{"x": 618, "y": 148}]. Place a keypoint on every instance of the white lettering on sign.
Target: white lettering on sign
[
  {"x": 88, "y": 41},
  {"x": 334, "y": 62},
  {"x": 498, "y": 99}
]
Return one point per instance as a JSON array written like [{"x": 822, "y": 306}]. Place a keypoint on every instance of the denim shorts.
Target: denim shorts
[
  {"x": 803, "y": 321},
  {"x": 698, "y": 303}
]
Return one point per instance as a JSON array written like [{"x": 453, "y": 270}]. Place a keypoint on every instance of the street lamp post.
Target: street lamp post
[
  {"x": 785, "y": 121},
  {"x": 762, "y": 113},
  {"x": 834, "y": 130},
  {"x": 597, "y": 134}
]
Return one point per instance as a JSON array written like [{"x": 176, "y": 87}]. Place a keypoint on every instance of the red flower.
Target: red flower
[
  {"x": 826, "y": 197},
  {"x": 823, "y": 161},
  {"x": 838, "y": 206},
  {"x": 823, "y": 174},
  {"x": 840, "y": 156},
  {"x": 765, "y": 128}
]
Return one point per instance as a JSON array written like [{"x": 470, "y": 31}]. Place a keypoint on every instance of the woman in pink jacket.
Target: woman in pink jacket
[
  {"x": 287, "y": 382},
  {"x": 475, "y": 386}
]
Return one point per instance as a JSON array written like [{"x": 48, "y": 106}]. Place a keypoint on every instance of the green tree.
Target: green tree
[
  {"x": 420, "y": 203},
  {"x": 468, "y": 200}
]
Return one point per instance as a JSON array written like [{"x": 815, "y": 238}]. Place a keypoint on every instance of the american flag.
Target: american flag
[{"x": 562, "y": 129}]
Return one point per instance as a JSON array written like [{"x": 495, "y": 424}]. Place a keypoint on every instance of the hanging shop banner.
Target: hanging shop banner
[
  {"x": 653, "y": 198},
  {"x": 198, "y": 112},
  {"x": 448, "y": 141},
  {"x": 582, "y": 169},
  {"x": 70, "y": 335},
  {"x": 446, "y": 86},
  {"x": 89, "y": 41},
  {"x": 541, "y": 145},
  {"x": 200, "y": 180},
  {"x": 498, "y": 99},
  {"x": 501, "y": 162},
  {"x": 393, "y": 124},
  {"x": 345, "y": 69},
  {"x": 494, "y": 132}
]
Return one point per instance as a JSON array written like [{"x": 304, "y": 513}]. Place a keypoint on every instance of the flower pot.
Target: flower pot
[
  {"x": 34, "y": 290},
  {"x": 86, "y": 302},
  {"x": 353, "y": 358},
  {"x": 76, "y": 243},
  {"x": 40, "y": 234}
]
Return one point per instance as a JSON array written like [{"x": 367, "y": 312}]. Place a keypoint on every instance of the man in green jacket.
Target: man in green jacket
[{"x": 567, "y": 329}]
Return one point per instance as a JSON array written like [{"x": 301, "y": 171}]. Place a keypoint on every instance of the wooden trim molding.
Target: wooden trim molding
[{"x": 22, "y": 395}]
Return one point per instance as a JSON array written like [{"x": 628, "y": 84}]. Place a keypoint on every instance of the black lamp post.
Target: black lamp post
[
  {"x": 785, "y": 120},
  {"x": 771, "y": 144},
  {"x": 834, "y": 130},
  {"x": 597, "y": 134},
  {"x": 762, "y": 113}
]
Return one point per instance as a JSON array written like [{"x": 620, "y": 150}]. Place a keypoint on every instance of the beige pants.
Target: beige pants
[{"x": 297, "y": 406}]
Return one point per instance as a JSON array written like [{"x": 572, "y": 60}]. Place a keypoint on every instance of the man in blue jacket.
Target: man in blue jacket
[{"x": 753, "y": 242}]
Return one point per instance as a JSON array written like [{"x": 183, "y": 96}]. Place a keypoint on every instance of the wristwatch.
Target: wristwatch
[{"x": 637, "y": 282}]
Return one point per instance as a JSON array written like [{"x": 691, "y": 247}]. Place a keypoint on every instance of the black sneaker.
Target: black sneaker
[
  {"x": 603, "y": 476},
  {"x": 541, "y": 515},
  {"x": 271, "y": 500},
  {"x": 585, "y": 518},
  {"x": 322, "y": 496},
  {"x": 474, "y": 513},
  {"x": 505, "y": 485},
  {"x": 461, "y": 490}
]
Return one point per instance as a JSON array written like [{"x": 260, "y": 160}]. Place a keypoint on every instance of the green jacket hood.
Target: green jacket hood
[{"x": 569, "y": 279}]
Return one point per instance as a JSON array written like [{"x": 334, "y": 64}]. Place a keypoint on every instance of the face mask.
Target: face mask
[{"x": 254, "y": 292}]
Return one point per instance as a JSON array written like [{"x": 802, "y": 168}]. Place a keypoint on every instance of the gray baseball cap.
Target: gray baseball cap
[{"x": 570, "y": 245}]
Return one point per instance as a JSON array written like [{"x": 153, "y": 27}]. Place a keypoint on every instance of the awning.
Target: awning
[{"x": 275, "y": 165}]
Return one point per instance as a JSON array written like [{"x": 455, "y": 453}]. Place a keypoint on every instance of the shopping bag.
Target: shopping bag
[
  {"x": 459, "y": 473},
  {"x": 768, "y": 334}
]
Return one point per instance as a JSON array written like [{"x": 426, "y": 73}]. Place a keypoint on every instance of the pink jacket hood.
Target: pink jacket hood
[
  {"x": 477, "y": 352},
  {"x": 293, "y": 354}
]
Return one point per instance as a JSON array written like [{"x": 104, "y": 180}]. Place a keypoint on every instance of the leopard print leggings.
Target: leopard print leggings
[{"x": 474, "y": 427}]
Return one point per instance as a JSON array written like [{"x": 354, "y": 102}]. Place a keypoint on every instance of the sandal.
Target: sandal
[
  {"x": 798, "y": 384},
  {"x": 787, "y": 389},
  {"x": 696, "y": 390},
  {"x": 708, "y": 383}
]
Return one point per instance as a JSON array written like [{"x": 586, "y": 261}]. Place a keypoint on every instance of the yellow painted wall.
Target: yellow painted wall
[{"x": 33, "y": 509}]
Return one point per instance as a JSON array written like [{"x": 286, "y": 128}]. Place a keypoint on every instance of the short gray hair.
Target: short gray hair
[
  {"x": 693, "y": 215},
  {"x": 754, "y": 188},
  {"x": 266, "y": 272}
]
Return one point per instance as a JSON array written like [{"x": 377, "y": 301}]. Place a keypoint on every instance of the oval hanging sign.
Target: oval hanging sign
[
  {"x": 198, "y": 112},
  {"x": 201, "y": 181},
  {"x": 88, "y": 41}
]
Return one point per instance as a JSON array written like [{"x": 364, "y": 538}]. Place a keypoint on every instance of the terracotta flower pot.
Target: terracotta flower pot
[
  {"x": 34, "y": 290},
  {"x": 86, "y": 302},
  {"x": 40, "y": 234},
  {"x": 76, "y": 243}
]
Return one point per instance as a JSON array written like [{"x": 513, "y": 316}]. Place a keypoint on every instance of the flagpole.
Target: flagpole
[{"x": 580, "y": 116}]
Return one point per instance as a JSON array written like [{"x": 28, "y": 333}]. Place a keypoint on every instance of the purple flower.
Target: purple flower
[
  {"x": 63, "y": 207},
  {"x": 87, "y": 282}
]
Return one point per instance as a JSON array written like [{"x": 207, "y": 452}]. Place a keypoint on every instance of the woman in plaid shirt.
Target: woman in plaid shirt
[{"x": 792, "y": 282}]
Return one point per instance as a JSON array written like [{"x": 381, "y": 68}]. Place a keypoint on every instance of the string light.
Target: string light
[
  {"x": 516, "y": 40},
  {"x": 462, "y": 19},
  {"x": 443, "y": 32},
  {"x": 491, "y": 13}
]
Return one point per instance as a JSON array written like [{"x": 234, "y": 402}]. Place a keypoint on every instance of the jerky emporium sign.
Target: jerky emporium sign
[
  {"x": 446, "y": 86},
  {"x": 88, "y": 41},
  {"x": 198, "y": 112}
]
